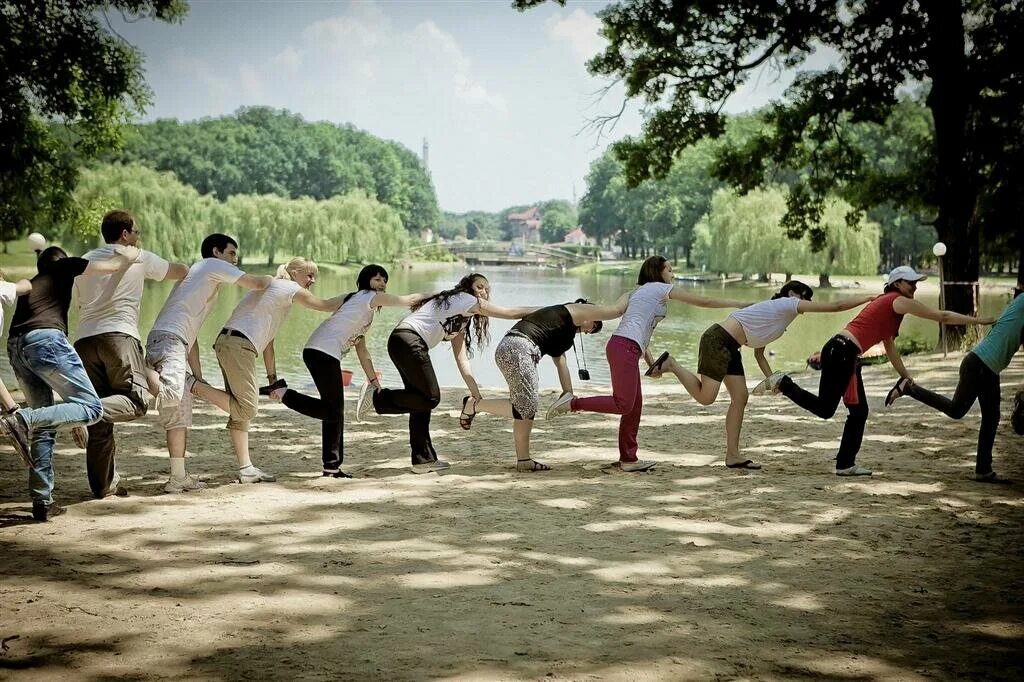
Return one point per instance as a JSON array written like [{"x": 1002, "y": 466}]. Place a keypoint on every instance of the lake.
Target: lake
[{"x": 678, "y": 333}]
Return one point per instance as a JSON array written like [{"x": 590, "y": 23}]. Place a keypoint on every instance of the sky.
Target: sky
[{"x": 502, "y": 97}]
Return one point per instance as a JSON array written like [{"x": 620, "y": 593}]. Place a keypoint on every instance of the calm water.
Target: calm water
[{"x": 678, "y": 333}]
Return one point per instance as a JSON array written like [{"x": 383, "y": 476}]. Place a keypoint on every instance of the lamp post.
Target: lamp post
[
  {"x": 36, "y": 242},
  {"x": 940, "y": 250}
]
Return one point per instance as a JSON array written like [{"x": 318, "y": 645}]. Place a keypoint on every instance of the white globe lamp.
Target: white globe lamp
[
  {"x": 36, "y": 242},
  {"x": 939, "y": 249}
]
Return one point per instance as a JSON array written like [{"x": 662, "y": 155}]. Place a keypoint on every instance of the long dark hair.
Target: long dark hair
[
  {"x": 49, "y": 256},
  {"x": 651, "y": 269},
  {"x": 801, "y": 289},
  {"x": 363, "y": 279},
  {"x": 481, "y": 323}
]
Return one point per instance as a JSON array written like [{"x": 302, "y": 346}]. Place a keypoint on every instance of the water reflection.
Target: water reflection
[{"x": 678, "y": 333}]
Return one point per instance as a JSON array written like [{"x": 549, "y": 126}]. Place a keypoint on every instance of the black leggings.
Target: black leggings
[
  {"x": 421, "y": 394},
  {"x": 977, "y": 382},
  {"x": 839, "y": 361},
  {"x": 329, "y": 408}
]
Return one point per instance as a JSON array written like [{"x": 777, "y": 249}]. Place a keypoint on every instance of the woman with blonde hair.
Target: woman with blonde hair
[{"x": 249, "y": 332}]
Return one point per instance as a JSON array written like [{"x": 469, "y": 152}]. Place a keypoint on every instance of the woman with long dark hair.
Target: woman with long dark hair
[
  {"x": 645, "y": 308},
  {"x": 445, "y": 316},
  {"x": 327, "y": 345},
  {"x": 548, "y": 331},
  {"x": 719, "y": 359},
  {"x": 879, "y": 321}
]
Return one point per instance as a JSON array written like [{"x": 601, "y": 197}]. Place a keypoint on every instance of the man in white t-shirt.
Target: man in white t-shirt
[
  {"x": 9, "y": 293},
  {"x": 110, "y": 346},
  {"x": 171, "y": 346}
]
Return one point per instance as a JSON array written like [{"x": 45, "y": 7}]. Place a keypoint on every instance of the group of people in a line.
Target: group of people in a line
[{"x": 105, "y": 378}]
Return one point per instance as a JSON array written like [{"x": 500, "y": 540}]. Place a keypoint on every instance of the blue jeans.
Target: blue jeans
[{"x": 45, "y": 362}]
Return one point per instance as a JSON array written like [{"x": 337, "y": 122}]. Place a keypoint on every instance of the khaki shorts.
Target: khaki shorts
[
  {"x": 719, "y": 354},
  {"x": 237, "y": 358}
]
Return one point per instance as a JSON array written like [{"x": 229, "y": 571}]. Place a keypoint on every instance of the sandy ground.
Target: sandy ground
[{"x": 691, "y": 571}]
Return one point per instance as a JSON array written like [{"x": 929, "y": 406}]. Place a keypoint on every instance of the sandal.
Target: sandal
[
  {"x": 466, "y": 420},
  {"x": 656, "y": 365},
  {"x": 900, "y": 389},
  {"x": 530, "y": 465}
]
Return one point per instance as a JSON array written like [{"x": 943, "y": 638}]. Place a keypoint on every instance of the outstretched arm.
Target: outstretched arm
[
  {"x": 123, "y": 257},
  {"x": 22, "y": 287},
  {"x": 270, "y": 362},
  {"x": 391, "y": 300},
  {"x": 842, "y": 304},
  {"x": 462, "y": 361},
  {"x": 324, "y": 305},
  {"x": 176, "y": 271},
  {"x": 908, "y": 306},
  {"x": 564, "y": 378},
  {"x": 254, "y": 282},
  {"x": 762, "y": 361},
  {"x": 193, "y": 361},
  {"x": 491, "y": 310},
  {"x": 680, "y": 294}
]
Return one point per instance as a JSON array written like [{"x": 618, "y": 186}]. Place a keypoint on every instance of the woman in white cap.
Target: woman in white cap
[{"x": 878, "y": 321}]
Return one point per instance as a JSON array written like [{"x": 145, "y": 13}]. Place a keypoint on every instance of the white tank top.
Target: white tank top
[
  {"x": 647, "y": 307},
  {"x": 336, "y": 335},
  {"x": 435, "y": 323},
  {"x": 260, "y": 313},
  {"x": 766, "y": 321}
]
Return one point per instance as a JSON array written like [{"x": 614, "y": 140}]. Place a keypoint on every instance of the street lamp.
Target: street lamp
[
  {"x": 940, "y": 250},
  {"x": 36, "y": 242}
]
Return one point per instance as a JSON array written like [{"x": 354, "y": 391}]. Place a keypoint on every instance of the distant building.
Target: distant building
[
  {"x": 579, "y": 237},
  {"x": 526, "y": 225},
  {"x": 426, "y": 235}
]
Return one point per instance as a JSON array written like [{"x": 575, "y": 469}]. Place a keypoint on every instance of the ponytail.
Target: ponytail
[{"x": 295, "y": 267}]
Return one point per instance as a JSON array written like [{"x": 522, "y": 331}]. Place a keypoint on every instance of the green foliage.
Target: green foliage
[
  {"x": 471, "y": 225},
  {"x": 909, "y": 344},
  {"x": 174, "y": 218},
  {"x": 264, "y": 151},
  {"x": 67, "y": 84},
  {"x": 557, "y": 221},
  {"x": 745, "y": 234}
]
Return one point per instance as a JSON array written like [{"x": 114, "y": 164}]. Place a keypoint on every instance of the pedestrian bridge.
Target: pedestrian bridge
[{"x": 510, "y": 253}]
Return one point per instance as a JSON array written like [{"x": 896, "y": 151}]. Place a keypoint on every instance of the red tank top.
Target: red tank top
[{"x": 876, "y": 321}]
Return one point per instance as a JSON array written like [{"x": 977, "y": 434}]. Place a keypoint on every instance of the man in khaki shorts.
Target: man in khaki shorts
[
  {"x": 171, "y": 347},
  {"x": 110, "y": 346}
]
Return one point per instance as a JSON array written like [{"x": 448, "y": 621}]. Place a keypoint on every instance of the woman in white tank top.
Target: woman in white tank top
[
  {"x": 327, "y": 345},
  {"x": 646, "y": 307},
  {"x": 445, "y": 316},
  {"x": 719, "y": 359}
]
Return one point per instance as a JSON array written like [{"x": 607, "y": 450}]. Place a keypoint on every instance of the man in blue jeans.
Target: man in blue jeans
[{"x": 45, "y": 362}]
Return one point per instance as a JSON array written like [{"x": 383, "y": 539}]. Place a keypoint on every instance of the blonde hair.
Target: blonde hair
[{"x": 297, "y": 266}]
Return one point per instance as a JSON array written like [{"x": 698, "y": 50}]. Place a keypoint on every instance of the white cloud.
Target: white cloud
[
  {"x": 290, "y": 58},
  {"x": 580, "y": 30},
  {"x": 250, "y": 84},
  {"x": 364, "y": 24}
]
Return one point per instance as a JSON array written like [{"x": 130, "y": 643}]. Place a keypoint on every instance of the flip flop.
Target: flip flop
[
  {"x": 530, "y": 465},
  {"x": 656, "y": 365},
  {"x": 466, "y": 420},
  {"x": 749, "y": 464},
  {"x": 898, "y": 390},
  {"x": 992, "y": 477}
]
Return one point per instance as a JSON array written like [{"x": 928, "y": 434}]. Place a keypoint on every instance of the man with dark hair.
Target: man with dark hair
[
  {"x": 45, "y": 363},
  {"x": 171, "y": 347},
  {"x": 110, "y": 346}
]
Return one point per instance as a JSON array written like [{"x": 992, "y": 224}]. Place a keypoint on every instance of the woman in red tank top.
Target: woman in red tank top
[{"x": 879, "y": 321}]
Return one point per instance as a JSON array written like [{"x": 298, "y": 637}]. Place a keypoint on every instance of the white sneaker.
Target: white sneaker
[
  {"x": 770, "y": 383},
  {"x": 438, "y": 466},
  {"x": 183, "y": 485},
  {"x": 562, "y": 405},
  {"x": 855, "y": 470},
  {"x": 639, "y": 465},
  {"x": 259, "y": 477},
  {"x": 80, "y": 435},
  {"x": 365, "y": 402}
]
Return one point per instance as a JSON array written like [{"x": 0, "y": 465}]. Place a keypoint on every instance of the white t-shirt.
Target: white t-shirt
[
  {"x": 435, "y": 323},
  {"x": 191, "y": 299},
  {"x": 8, "y": 297},
  {"x": 766, "y": 321},
  {"x": 260, "y": 313},
  {"x": 110, "y": 303},
  {"x": 647, "y": 306},
  {"x": 337, "y": 333}
]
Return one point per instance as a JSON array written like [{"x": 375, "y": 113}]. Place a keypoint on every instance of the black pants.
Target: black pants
[
  {"x": 977, "y": 382},
  {"x": 116, "y": 369},
  {"x": 839, "y": 361},
  {"x": 421, "y": 394},
  {"x": 329, "y": 408}
]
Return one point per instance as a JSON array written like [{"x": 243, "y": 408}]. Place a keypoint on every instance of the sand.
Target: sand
[{"x": 690, "y": 571}]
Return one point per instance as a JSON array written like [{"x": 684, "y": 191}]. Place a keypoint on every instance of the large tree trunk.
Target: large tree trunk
[
  {"x": 823, "y": 281},
  {"x": 956, "y": 189}
]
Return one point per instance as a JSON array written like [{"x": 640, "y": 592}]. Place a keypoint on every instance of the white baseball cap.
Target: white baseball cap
[{"x": 904, "y": 272}]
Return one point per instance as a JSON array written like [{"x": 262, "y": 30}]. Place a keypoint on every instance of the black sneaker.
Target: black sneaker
[
  {"x": 15, "y": 430},
  {"x": 267, "y": 390},
  {"x": 44, "y": 512},
  {"x": 335, "y": 474}
]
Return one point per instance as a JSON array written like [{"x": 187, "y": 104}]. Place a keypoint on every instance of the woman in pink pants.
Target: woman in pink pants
[{"x": 647, "y": 307}]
